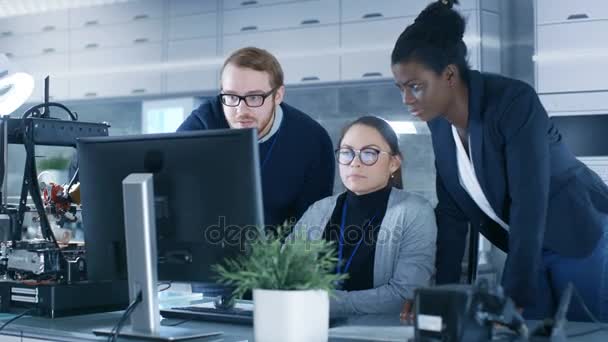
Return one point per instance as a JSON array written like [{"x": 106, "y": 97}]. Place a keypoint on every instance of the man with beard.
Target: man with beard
[{"x": 296, "y": 153}]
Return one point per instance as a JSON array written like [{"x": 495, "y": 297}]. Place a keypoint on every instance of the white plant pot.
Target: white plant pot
[{"x": 290, "y": 316}]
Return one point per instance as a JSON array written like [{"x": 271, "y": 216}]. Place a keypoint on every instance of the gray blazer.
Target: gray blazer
[{"x": 404, "y": 257}]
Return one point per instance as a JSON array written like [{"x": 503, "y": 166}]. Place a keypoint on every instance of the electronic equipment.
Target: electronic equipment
[
  {"x": 454, "y": 313},
  {"x": 46, "y": 274},
  {"x": 177, "y": 204},
  {"x": 207, "y": 199}
]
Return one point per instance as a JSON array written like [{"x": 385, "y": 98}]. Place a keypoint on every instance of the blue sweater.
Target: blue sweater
[{"x": 297, "y": 171}]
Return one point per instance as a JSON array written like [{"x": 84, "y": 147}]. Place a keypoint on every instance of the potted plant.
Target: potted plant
[{"x": 291, "y": 283}]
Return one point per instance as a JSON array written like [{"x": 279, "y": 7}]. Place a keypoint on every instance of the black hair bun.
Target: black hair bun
[{"x": 439, "y": 24}]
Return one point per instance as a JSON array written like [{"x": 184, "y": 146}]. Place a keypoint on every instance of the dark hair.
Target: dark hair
[
  {"x": 388, "y": 133},
  {"x": 434, "y": 39}
]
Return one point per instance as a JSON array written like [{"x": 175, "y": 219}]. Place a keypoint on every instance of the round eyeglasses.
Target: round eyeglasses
[
  {"x": 253, "y": 100},
  {"x": 368, "y": 156}
]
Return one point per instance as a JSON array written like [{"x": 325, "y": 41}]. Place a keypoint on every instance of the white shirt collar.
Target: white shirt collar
[{"x": 278, "y": 118}]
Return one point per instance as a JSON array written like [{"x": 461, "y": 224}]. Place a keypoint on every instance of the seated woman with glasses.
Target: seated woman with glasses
[{"x": 385, "y": 237}]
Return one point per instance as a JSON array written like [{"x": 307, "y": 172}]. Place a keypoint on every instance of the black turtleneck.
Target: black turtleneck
[{"x": 359, "y": 211}]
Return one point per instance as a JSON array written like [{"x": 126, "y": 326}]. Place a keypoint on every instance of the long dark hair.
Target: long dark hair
[
  {"x": 388, "y": 134},
  {"x": 434, "y": 39}
]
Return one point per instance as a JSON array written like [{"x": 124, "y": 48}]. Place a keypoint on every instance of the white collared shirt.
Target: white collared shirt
[
  {"x": 470, "y": 183},
  {"x": 278, "y": 117}
]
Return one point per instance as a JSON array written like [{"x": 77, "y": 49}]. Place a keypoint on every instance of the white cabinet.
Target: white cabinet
[
  {"x": 291, "y": 15},
  {"x": 115, "y": 85},
  {"x": 58, "y": 89},
  {"x": 35, "y": 23},
  {"x": 357, "y": 10},
  {"x": 33, "y": 45},
  {"x": 124, "y": 12},
  {"x": 380, "y": 33},
  {"x": 179, "y": 45},
  {"x": 575, "y": 103},
  {"x": 367, "y": 46},
  {"x": 193, "y": 26},
  {"x": 202, "y": 78},
  {"x": 116, "y": 59},
  {"x": 179, "y": 8},
  {"x": 235, "y": 4},
  {"x": 308, "y": 41},
  {"x": 373, "y": 64},
  {"x": 490, "y": 43},
  {"x": 122, "y": 35},
  {"x": 311, "y": 69},
  {"x": 192, "y": 49},
  {"x": 558, "y": 11},
  {"x": 571, "y": 57},
  {"x": 52, "y": 63}
]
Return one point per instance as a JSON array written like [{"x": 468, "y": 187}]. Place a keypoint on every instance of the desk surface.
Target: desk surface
[{"x": 78, "y": 328}]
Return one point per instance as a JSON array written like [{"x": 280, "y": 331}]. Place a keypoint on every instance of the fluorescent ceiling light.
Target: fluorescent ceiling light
[{"x": 403, "y": 127}]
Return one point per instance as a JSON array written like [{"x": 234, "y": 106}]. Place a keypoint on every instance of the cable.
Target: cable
[
  {"x": 166, "y": 288},
  {"x": 16, "y": 318},
  {"x": 178, "y": 323},
  {"x": 128, "y": 311},
  {"x": 35, "y": 110}
]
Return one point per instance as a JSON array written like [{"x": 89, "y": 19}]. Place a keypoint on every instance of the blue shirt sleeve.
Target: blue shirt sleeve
[{"x": 319, "y": 181}]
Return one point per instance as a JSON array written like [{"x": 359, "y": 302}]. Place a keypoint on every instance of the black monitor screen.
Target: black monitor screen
[
  {"x": 207, "y": 194},
  {"x": 585, "y": 135}
]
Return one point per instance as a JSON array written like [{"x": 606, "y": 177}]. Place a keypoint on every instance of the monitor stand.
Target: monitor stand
[{"x": 140, "y": 230}]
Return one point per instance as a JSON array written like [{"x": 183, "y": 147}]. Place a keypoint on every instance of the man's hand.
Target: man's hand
[{"x": 407, "y": 312}]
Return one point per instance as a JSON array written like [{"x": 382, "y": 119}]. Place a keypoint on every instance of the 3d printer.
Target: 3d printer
[{"x": 45, "y": 274}]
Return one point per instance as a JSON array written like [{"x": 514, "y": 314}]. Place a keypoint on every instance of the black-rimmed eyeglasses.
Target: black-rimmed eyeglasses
[
  {"x": 368, "y": 156},
  {"x": 253, "y": 100}
]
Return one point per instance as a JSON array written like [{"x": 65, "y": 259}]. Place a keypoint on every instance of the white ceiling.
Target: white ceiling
[{"x": 9, "y": 8}]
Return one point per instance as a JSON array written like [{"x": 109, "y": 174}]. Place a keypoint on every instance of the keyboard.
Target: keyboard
[
  {"x": 234, "y": 315},
  {"x": 197, "y": 313}
]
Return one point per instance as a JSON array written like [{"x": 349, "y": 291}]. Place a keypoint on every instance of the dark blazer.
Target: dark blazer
[{"x": 533, "y": 182}]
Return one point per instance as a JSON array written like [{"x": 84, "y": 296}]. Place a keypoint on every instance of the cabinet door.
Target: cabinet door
[
  {"x": 119, "y": 13},
  {"x": 571, "y": 58},
  {"x": 123, "y": 35},
  {"x": 33, "y": 23},
  {"x": 312, "y": 40},
  {"x": 366, "y": 65},
  {"x": 192, "y": 49},
  {"x": 115, "y": 85},
  {"x": 193, "y": 26},
  {"x": 178, "y": 8},
  {"x": 116, "y": 59},
  {"x": 58, "y": 89},
  {"x": 313, "y": 69},
  {"x": 35, "y": 45},
  {"x": 200, "y": 79},
  {"x": 237, "y": 4},
  {"x": 291, "y": 15},
  {"x": 560, "y": 11}
]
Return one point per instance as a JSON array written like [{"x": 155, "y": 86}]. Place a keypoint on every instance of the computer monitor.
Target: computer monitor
[{"x": 207, "y": 193}]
